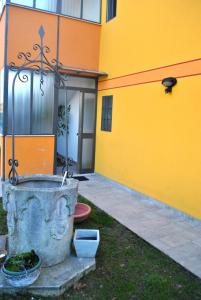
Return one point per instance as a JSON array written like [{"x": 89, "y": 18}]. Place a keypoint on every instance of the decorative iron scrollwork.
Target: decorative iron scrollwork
[
  {"x": 13, "y": 175},
  {"x": 39, "y": 65}
]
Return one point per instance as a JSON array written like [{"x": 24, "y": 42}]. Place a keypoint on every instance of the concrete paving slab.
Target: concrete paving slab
[{"x": 172, "y": 232}]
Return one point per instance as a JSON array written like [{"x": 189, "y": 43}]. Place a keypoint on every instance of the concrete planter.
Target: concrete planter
[
  {"x": 86, "y": 242},
  {"x": 22, "y": 279},
  {"x": 40, "y": 216}
]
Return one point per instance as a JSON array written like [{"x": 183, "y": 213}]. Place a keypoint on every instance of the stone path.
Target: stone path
[{"x": 174, "y": 233}]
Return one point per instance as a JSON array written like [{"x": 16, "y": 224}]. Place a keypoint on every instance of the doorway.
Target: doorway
[{"x": 76, "y": 131}]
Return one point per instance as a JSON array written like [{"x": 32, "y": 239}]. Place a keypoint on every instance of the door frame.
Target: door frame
[
  {"x": 82, "y": 90},
  {"x": 82, "y": 135}
]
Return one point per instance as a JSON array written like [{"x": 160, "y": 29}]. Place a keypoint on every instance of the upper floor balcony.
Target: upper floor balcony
[{"x": 89, "y": 10}]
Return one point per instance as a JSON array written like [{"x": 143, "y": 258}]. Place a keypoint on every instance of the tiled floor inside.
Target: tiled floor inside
[{"x": 175, "y": 234}]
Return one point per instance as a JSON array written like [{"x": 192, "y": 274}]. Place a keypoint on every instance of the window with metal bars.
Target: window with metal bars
[{"x": 106, "y": 120}]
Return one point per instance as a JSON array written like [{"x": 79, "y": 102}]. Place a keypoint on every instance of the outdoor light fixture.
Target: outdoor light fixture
[{"x": 169, "y": 83}]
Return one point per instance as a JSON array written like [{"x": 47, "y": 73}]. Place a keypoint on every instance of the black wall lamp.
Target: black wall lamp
[{"x": 169, "y": 83}]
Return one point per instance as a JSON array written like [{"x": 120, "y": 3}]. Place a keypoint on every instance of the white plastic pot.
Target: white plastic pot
[{"x": 86, "y": 242}]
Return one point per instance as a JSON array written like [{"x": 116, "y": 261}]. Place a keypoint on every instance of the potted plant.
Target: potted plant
[
  {"x": 86, "y": 242},
  {"x": 22, "y": 270}
]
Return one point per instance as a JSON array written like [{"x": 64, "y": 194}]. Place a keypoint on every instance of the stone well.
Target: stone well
[{"x": 40, "y": 216}]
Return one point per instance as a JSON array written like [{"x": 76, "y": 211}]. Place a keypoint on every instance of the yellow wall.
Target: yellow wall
[
  {"x": 148, "y": 34},
  {"x": 155, "y": 144}
]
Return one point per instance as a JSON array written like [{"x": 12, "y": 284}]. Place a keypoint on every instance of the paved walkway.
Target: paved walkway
[{"x": 175, "y": 234}]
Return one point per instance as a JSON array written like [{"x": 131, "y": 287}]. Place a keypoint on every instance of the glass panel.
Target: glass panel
[
  {"x": 43, "y": 106},
  {"x": 81, "y": 82},
  {"x": 50, "y": 5},
  {"x": 61, "y": 126},
  {"x": 91, "y": 10},
  {"x": 111, "y": 9},
  {"x": 71, "y": 8},
  {"x": 2, "y": 3},
  {"x": 87, "y": 154},
  {"x": 22, "y": 104},
  {"x": 1, "y": 99},
  {"x": 106, "y": 121},
  {"x": 23, "y": 2},
  {"x": 73, "y": 98},
  {"x": 89, "y": 113}
]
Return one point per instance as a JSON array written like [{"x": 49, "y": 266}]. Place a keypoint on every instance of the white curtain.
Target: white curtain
[
  {"x": 49, "y": 5},
  {"x": 91, "y": 10},
  {"x": 71, "y": 8},
  {"x": 23, "y": 2},
  {"x": 2, "y": 2}
]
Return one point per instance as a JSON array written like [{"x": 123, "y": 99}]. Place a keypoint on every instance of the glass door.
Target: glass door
[{"x": 86, "y": 134}]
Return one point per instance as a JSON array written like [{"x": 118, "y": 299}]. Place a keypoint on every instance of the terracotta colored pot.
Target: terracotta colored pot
[{"x": 82, "y": 212}]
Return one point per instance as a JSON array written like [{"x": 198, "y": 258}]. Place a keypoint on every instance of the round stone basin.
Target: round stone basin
[
  {"x": 40, "y": 215},
  {"x": 38, "y": 184}
]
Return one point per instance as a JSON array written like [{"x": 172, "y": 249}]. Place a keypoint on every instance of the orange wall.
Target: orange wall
[
  {"x": 2, "y": 38},
  {"x": 23, "y": 28},
  {"x": 35, "y": 154},
  {"x": 185, "y": 69},
  {"x": 78, "y": 41}
]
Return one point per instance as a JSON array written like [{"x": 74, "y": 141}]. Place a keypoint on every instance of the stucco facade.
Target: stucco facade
[{"x": 154, "y": 145}]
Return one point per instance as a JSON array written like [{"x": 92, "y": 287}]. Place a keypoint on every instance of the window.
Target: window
[
  {"x": 1, "y": 98},
  {"x": 2, "y": 3},
  {"x": 43, "y": 106},
  {"x": 23, "y": 2},
  {"x": 106, "y": 121},
  {"x": 71, "y": 8},
  {"x": 33, "y": 112},
  {"x": 111, "y": 9},
  {"x": 49, "y": 5},
  {"x": 81, "y": 82},
  {"x": 82, "y": 9},
  {"x": 91, "y": 10},
  {"x": 22, "y": 103}
]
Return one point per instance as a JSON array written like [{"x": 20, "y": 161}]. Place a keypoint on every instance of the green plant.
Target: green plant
[
  {"x": 63, "y": 119},
  {"x": 21, "y": 262}
]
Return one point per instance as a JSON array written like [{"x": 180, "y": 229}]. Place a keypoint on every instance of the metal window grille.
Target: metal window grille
[{"x": 106, "y": 121}]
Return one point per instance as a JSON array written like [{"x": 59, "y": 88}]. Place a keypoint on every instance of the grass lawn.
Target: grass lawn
[{"x": 127, "y": 268}]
